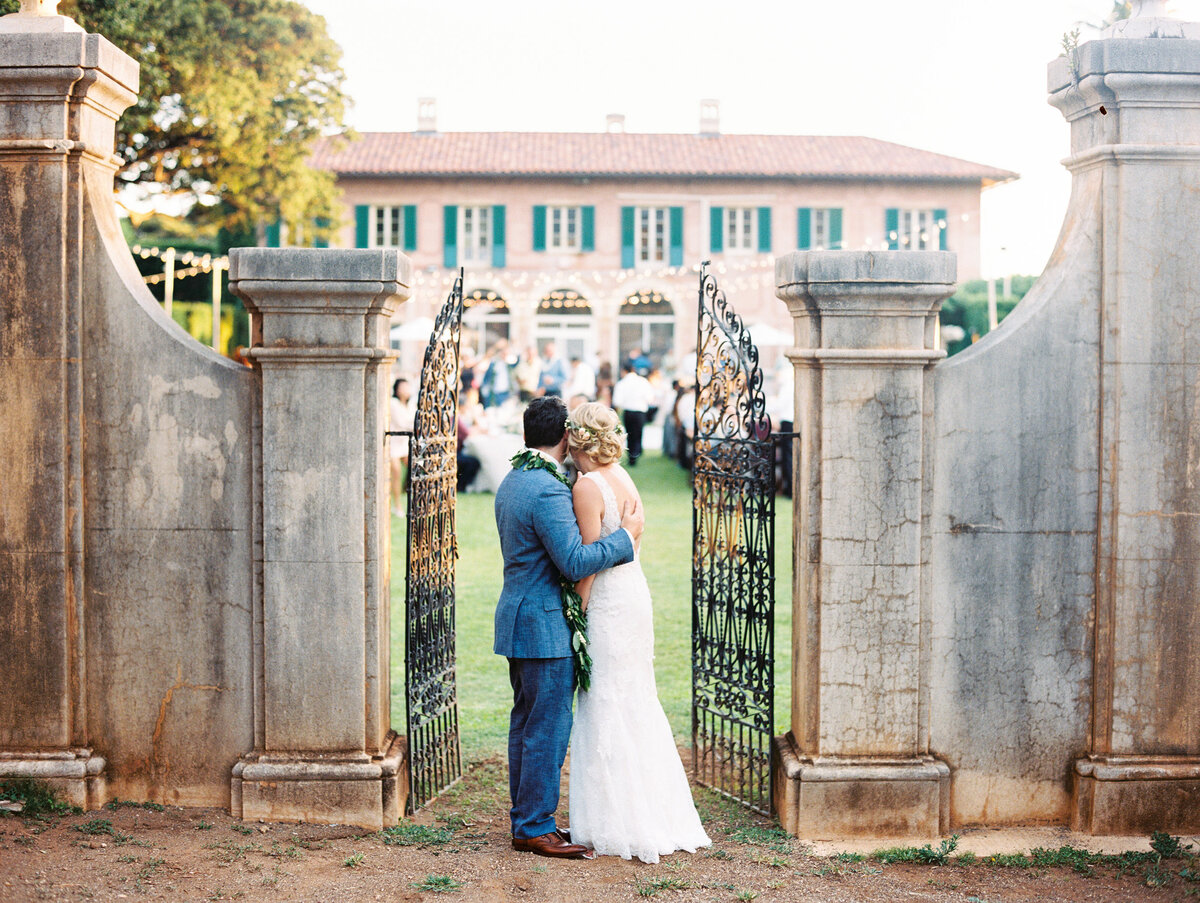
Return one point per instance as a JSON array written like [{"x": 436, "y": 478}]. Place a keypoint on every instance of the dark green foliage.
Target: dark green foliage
[
  {"x": 37, "y": 798},
  {"x": 967, "y": 308},
  {"x": 233, "y": 94}
]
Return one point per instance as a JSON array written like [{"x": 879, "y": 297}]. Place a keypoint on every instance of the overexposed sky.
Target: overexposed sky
[{"x": 960, "y": 77}]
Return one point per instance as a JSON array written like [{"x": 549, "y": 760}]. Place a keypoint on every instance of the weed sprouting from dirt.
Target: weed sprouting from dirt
[
  {"x": 407, "y": 834},
  {"x": 114, "y": 805},
  {"x": 926, "y": 854},
  {"x": 652, "y": 886},
  {"x": 439, "y": 884},
  {"x": 354, "y": 860}
]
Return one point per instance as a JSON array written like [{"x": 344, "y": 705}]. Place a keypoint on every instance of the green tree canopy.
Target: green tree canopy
[{"x": 233, "y": 94}]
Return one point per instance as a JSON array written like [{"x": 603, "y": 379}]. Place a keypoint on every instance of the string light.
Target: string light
[{"x": 193, "y": 264}]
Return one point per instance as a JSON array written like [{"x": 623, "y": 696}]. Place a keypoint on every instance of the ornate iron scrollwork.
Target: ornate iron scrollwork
[
  {"x": 733, "y": 559},
  {"x": 434, "y": 749}
]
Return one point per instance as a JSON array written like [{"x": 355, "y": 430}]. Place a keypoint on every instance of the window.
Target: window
[
  {"x": 646, "y": 321},
  {"x": 916, "y": 230},
  {"x": 650, "y": 234},
  {"x": 388, "y": 227},
  {"x": 475, "y": 238},
  {"x": 820, "y": 229},
  {"x": 564, "y": 228},
  {"x": 739, "y": 228}
]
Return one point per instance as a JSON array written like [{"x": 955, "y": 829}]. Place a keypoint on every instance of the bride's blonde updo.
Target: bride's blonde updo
[{"x": 595, "y": 430}]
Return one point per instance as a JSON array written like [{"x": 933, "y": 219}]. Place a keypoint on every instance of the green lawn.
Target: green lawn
[{"x": 484, "y": 695}]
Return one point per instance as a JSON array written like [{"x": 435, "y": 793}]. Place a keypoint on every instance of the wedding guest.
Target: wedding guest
[
  {"x": 468, "y": 464},
  {"x": 604, "y": 383},
  {"x": 527, "y": 374},
  {"x": 638, "y": 362},
  {"x": 582, "y": 381},
  {"x": 496, "y": 385},
  {"x": 554, "y": 375},
  {"x": 402, "y": 414},
  {"x": 633, "y": 396}
]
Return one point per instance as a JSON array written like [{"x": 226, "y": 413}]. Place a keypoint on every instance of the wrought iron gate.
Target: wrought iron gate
[
  {"x": 733, "y": 559},
  {"x": 434, "y": 752}
]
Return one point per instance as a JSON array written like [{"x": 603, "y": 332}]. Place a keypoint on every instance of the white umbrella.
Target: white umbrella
[
  {"x": 766, "y": 336},
  {"x": 417, "y": 329}
]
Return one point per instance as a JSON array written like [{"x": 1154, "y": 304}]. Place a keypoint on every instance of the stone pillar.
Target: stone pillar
[
  {"x": 325, "y": 752},
  {"x": 61, "y": 91},
  {"x": 1133, "y": 102},
  {"x": 857, "y": 759}
]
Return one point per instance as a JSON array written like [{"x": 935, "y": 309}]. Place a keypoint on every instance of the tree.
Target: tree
[{"x": 233, "y": 95}]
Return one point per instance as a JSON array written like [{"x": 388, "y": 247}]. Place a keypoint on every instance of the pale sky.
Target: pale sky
[{"x": 960, "y": 77}]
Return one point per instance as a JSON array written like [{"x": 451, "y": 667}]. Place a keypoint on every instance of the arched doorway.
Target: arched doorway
[
  {"x": 646, "y": 321},
  {"x": 486, "y": 320},
  {"x": 564, "y": 317}
]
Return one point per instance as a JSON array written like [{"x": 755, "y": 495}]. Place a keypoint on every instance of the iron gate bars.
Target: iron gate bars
[
  {"x": 434, "y": 751},
  {"x": 733, "y": 559}
]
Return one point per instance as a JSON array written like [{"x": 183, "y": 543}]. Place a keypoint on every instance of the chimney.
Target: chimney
[
  {"x": 427, "y": 115},
  {"x": 710, "y": 118},
  {"x": 614, "y": 124}
]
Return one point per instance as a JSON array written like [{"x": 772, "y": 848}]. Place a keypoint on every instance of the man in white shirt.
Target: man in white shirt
[{"x": 632, "y": 396}]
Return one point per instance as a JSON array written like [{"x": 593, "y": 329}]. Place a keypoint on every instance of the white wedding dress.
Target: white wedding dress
[{"x": 629, "y": 795}]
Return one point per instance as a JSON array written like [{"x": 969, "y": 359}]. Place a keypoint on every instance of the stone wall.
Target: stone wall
[
  {"x": 1048, "y": 659},
  {"x": 193, "y": 554}
]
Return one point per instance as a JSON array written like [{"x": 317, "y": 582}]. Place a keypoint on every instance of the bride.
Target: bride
[{"x": 629, "y": 795}]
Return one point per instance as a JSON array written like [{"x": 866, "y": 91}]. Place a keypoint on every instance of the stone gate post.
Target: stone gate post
[
  {"x": 324, "y": 750},
  {"x": 857, "y": 759},
  {"x": 61, "y": 91}
]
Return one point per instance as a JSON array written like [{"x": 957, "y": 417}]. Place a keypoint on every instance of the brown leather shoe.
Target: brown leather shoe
[{"x": 552, "y": 845}]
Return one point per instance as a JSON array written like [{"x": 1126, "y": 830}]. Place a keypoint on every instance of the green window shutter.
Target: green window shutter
[
  {"x": 835, "y": 228},
  {"x": 539, "y": 227},
  {"x": 891, "y": 228},
  {"x": 764, "y": 230},
  {"x": 716, "y": 229},
  {"x": 676, "y": 236},
  {"x": 498, "y": 255},
  {"x": 588, "y": 229},
  {"x": 410, "y": 227},
  {"x": 804, "y": 228},
  {"x": 273, "y": 232},
  {"x": 939, "y": 216},
  {"x": 627, "y": 238},
  {"x": 321, "y": 223},
  {"x": 362, "y": 226},
  {"x": 450, "y": 236}
]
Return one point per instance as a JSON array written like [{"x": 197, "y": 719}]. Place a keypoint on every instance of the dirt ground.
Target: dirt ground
[{"x": 459, "y": 850}]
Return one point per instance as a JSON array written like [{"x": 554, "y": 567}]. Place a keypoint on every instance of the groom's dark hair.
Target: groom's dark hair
[{"x": 545, "y": 422}]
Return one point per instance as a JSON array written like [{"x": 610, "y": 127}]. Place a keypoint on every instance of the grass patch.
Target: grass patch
[
  {"x": 36, "y": 798},
  {"x": 926, "y": 855},
  {"x": 1148, "y": 865},
  {"x": 484, "y": 697},
  {"x": 114, "y": 805},
  {"x": 407, "y": 834},
  {"x": 652, "y": 886},
  {"x": 439, "y": 884}
]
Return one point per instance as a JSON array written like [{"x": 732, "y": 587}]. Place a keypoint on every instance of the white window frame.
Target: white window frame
[
  {"x": 386, "y": 227},
  {"x": 475, "y": 234},
  {"x": 919, "y": 230},
  {"x": 651, "y": 235},
  {"x": 820, "y": 228},
  {"x": 740, "y": 230},
  {"x": 560, "y": 221}
]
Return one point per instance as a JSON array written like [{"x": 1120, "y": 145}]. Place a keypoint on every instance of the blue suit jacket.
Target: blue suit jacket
[{"x": 540, "y": 539}]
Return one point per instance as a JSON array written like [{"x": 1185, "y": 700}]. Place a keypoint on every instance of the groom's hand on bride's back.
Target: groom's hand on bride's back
[{"x": 632, "y": 518}]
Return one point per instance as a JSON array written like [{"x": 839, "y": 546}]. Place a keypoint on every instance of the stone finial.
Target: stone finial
[{"x": 37, "y": 16}]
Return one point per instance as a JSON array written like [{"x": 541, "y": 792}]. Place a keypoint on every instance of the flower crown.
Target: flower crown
[{"x": 617, "y": 430}]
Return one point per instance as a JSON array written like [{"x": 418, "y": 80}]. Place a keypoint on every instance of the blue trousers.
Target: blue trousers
[{"x": 539, "y": 730}]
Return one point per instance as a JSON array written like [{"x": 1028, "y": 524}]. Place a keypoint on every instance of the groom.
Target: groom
[{"x": 540, "y": 540}]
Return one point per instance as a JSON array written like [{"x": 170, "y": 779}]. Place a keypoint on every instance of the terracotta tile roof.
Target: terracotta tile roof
[{"x": 625, "y": 155}]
